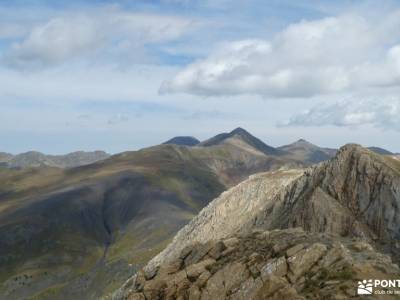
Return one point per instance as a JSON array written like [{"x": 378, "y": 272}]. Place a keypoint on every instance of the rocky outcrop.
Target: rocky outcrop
[
  {"x": 357, "y": 193},
  {"x": 278, "y": 264},
  {"x": 230, "y": 212}
]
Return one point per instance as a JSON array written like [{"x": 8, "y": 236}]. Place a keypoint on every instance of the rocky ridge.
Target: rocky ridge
[
  {"x": 355, "y": 195},
  {"x": 278, "y": 264}
]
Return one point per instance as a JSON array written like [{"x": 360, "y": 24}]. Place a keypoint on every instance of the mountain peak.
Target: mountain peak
[
  {"x": 307, "y": 152},
  {"x": 183, "y": 141},
  {"x": 240, "y": 131},
  {"x": 302, "y": 141},
  {"x": 245, "y": 137},
  {"x": 350, "y": 148}
]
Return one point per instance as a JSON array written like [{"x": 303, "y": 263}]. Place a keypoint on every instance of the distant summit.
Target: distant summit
[
  {"x": 241, "y": 135},
  {"x": 183, "y": 141},
  {"x": 380, "y": 151},
  {"x": 33, "y": 159},
  {"x": 307, "y": 152}
]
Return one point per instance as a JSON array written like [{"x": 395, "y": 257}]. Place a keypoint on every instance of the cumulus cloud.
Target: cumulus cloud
[
  {"x": 308, "y": 58},
  {"x": 380, "y": 113},
  {"x": 75, "y": 35}
]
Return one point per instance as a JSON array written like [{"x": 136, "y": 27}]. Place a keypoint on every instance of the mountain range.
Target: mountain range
[
  {"x": 80, "y": 232},
  {"x": 64, "y": 232},
  {"x": 34, "y": 159}
]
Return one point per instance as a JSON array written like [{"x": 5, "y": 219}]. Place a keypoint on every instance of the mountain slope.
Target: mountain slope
[
  {"x": 73, "y": 226},
  {"x": 183, "y": 141},
  {"x": 381, "y": 151}
]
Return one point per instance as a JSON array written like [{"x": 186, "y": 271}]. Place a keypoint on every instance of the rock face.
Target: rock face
[
  {"x": 278, "y": 264},
  {"x": 355, "y": 195},
  {"x": 230, "y": 212}
]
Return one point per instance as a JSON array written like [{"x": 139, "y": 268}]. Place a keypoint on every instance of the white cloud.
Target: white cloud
[
  {"x": 55, "y": 41},
  {"x": 308, "y": 58},
  {"x": 85, "y": 34},
  {"x": 380, "y": 113}
]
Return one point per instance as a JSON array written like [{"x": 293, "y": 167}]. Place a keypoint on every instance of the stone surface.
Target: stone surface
[{"x": 318, "y": 267}]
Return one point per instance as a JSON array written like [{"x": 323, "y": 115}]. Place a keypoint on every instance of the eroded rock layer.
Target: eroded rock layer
[{"x": 278, "y": 264}]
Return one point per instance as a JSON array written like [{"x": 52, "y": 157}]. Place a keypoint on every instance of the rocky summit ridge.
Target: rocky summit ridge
[
  {"x": 285, "y": 264},
  {"x": 246, "y": 244}
]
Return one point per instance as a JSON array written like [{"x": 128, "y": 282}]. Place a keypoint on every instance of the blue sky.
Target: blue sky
[{"x": 122, "y": 75}]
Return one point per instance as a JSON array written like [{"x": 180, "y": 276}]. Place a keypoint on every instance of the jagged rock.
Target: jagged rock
[
  {"x": 203, "y": 278},
  {"x": 276, "y": 267},
  {"x": 154, "y": 289},
  {"x": 198, "y": 253},
  {"x": 231, "y": 242},
  {"x": 303, "y": 260},
  {"x": 248, "y": 289},
  {"x": 172, "y": 267},
  {"x": 136, "y": 296},
  {"x": 273, "y": 288},
  {"x": 318, "y": 267},
  {"x": 362, "y": 246},
  {"x": 292, "y": 251},
  {"x": 217, "y": 250},
  {"x": 194, "y": 293},
  {"x": 194, "y": 271},
  {"x": 226, "y": 279}
]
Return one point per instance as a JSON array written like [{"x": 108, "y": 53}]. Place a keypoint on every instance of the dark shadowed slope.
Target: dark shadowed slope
[{"x": 61, "y": 231}]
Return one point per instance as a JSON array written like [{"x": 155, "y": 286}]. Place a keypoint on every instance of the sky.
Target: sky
[{"x": 123, "y": 75}]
